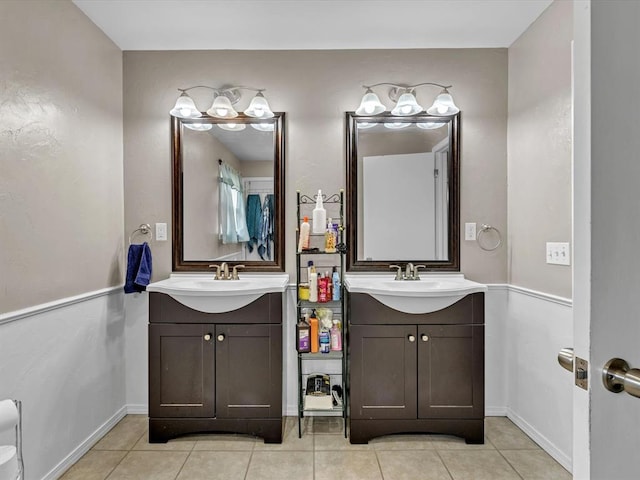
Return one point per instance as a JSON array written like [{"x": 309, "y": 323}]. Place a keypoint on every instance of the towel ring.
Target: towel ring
[
  {"x": 484, "y": 229},
  {"x": 144, "y": 229}
]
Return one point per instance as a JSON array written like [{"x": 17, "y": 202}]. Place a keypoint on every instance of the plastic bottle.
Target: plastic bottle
[
  {"x": 336, "y": 337},
  {"x": 315, "y": 339},
  {"x": 336, "y": 284},
  {"x": 313, "y": 286},
  {"x": 303, "y": 335},
  {"x": 329, "y": 238},
  {"x": 329, "y": 286},
  {"x": 322, "y": 289},
  {"x": 325, "y": 341},
  {"x": 310, "y": 269},
  {"x": 303, "y": 241},
  {"x": 319, "y": 215}
]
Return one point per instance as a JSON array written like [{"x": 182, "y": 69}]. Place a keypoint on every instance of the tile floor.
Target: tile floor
[{"x": 322, "y": 453}]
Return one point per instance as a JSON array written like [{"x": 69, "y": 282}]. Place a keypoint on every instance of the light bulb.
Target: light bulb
[
  {"x": 221, "y": 112},
  {"x": 406, "y": 109},
  {"x": 185, "y": 112},
  {"x": 369, "y": 108},
  {"x": 442, "y": 109}
]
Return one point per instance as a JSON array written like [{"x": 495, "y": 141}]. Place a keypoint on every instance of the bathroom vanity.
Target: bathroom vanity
[
  {"x": 417, "y": 370},
  {"x": 215, "y": 371}
]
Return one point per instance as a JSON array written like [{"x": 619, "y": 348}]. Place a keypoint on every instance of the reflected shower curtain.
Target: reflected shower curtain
[{"x": 233, "y": 223}]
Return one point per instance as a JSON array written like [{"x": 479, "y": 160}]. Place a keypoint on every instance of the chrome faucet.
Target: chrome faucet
[
  {"x": 234, "y": 275},
  {"x": 398, "y": 271}
]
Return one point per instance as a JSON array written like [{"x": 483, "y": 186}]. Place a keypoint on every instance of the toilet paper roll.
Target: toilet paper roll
[
  {"x": 8, "y": 463},
  {"x": 8, "y": 415}
]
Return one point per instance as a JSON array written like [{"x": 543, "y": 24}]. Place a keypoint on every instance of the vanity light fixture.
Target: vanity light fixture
[
  {"x": 406, "y": 102},
  {"x": 223, "y": 101},
  {"x": 232, "y": 127},
  {"x": 263, "y": 127},
  {"x": 396, "y": 125},
  {"x": 199, "y": 127}
]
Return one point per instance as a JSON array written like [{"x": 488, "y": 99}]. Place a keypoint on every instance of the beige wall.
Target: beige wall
[
  {"x": 61, "y": 194},
  {"x": 315, "y": 88},
  {"x": 539, "y": 146}
]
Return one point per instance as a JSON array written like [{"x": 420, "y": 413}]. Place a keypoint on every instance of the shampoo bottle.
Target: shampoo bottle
[
  {"x": 335, "y": 278},
  {"x": 336, "y": 337},
  {"x": 319, "y": 215},
  {"x": 313, "y": 286},
  {"x": 303, "y": 241},
  {"x": 315, "y": 339}
]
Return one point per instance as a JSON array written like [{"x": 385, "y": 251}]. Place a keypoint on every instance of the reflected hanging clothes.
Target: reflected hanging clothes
[
  {"x": 233, "y": 221},
  {"x": 254, "y": 220},
  {"x": 267, "y": 228}
]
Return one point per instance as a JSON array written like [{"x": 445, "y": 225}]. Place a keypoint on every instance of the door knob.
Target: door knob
[
  {"x": 425, "y": 338},
  {"x": 618, "y": 377},
  {"x": 412, "y": 338},
  {"x": 566, "y": 358},
  {"x": 207, "y": 337},
  {"x": 221, "y": 337}
]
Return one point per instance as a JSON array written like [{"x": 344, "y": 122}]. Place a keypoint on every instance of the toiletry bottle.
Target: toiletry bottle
[
  {"x": 336, "y": 284},
  {"x": 322, "y": 289},
  {"x": 314, "y": 334},
  {"x": 329, "y": 286},
  {"x": 325, "y": 341},
  {"x": 303, "y": 240},
  {"x": 310, "y": 269},
  {"x": 319, "y": 215},
  {"x": 303, "y": 334},
  {"x": 313, "y": 285},
  {"x": 336, "y": 337},
  {"x": 329, "y": 239}
]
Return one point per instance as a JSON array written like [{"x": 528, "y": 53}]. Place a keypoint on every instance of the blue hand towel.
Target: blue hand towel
[{"x": 138, "y": 268}]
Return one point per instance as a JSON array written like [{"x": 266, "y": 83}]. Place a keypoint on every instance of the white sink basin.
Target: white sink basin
[
  {"x": 201, "y": 292},
  {"x": 429, "y": 294}
]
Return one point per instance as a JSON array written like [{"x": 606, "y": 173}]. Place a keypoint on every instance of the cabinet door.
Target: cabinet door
[
  {"x": 181, "y": 370},
  {"x": 249, "y": 371},
  {"x": 450, "y": 371},
  {"x": 382, "y": 371}
]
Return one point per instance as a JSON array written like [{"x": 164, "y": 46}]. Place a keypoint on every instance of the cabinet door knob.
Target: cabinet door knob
[
  {"x": 207, "y": 337},
  {"x": 425, "y": 338},
  {"x": 412, "y": 338},
  {"x": 221, "y": 337}
]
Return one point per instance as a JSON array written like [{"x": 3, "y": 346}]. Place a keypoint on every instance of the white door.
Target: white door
[{"x": 606, "y": 232}]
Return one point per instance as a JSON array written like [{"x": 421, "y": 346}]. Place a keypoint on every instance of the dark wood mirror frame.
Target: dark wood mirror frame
[
  {"x": 355, "y": 265},
  {"x": 179, "y": 264}
]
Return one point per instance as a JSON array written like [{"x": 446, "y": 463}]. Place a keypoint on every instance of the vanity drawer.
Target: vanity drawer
[
  {"x": 164, "y": 309},
  {"x": 366, "y": 310}
]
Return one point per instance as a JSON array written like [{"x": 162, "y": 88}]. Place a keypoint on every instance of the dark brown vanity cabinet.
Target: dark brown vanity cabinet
[
  {"x": 213, "y": 372},
  {"x": 414, "y": 373}
]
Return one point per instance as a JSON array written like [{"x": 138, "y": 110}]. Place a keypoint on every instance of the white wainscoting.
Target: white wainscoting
[
  {"x": 65, "y": 361},
  {"x": 539, "y": 391},
  {"x": 79, "y": 365}
]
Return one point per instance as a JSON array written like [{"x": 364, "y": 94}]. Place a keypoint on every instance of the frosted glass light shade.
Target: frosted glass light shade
[
  {"x": 259, "y": 107},
  {"x": 263, "y": 127},
  {"x": 443, "y": 105},
  {"x": 396, "y": 125},
  {"x": 370, "y": 105},
  {"x": 430, "y": 125},
  {"x": 199, "y": 127},
  {"x": 185, "y": 107},
  {"x": 222, "y": 108},
  {"x": 407, "y": 105},
  {"x": 232, "y": 127}
]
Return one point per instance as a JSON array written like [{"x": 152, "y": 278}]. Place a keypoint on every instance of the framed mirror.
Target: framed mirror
[
  {"x": 402, "y": 191},
  {"x": 228, "y": 192}
]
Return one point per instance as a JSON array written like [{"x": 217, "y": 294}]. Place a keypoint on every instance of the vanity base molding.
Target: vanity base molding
[
  {"x": 364, "y": 430},
  {"x": 162, "y": 430}
]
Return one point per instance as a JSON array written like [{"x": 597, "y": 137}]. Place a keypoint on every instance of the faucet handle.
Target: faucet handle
[
  {"x": 416, "y": 274},
  {"x": 398, "y": 272},
  {"x": 218, "y": 269},
  {"x": 234, "y": 274}
]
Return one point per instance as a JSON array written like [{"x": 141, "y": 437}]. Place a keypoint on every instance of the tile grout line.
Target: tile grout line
[
  {"x": 509, "y": 463},
  {"x": 129, "y": 450},
  {"x": 444, "y": 463}
]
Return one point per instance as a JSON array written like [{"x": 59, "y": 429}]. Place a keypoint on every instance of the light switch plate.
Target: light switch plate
[
  {"x": 161, "y": 232},
  {"x": 469, "y": 231},
  {"x": 558, "y": 253}
]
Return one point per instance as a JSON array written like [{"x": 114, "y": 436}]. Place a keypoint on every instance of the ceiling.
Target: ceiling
[{"x": 311, "y": 24}]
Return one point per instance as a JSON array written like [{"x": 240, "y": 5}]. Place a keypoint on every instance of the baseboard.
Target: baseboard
[
  {"x": 137, "y": 409},
  {"x": 85, "y": 446},
  {"x": 545, "y": 444},
  {"x": 495, "y": 411}
]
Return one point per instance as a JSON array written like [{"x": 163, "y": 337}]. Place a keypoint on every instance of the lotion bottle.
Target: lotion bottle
[
  {"x": 335, "y": 278},
  {"x": 315, "y": 339},
  {"x": 319, "y": 215},
  {"x": 336, "y": 337},
  {"x": 303, "y": 241},
  {"x": 313, "y": 286}
]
